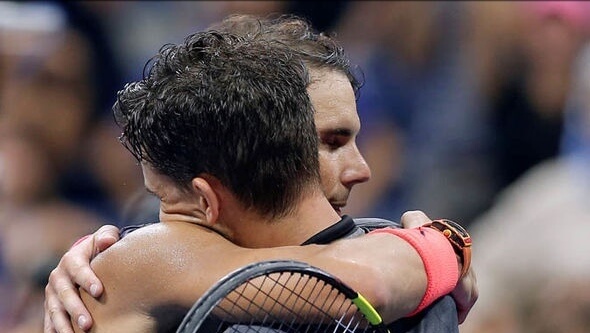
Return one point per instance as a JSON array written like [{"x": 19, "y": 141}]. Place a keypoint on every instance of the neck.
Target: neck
[{"x": 312, "y": 214}]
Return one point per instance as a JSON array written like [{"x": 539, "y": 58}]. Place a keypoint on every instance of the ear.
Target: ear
[{"x": 209, "y": 199}]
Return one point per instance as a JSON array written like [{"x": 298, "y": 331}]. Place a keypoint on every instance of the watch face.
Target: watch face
[
  {"x": 459, "y": 238},
  {"x": 461, "y": 232},
  {"x": 457, "y": 227}
]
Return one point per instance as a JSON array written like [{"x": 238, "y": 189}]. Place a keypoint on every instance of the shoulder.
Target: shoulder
[
  {"x": 156, "y": 263},
  {"x": 154, "y": 269}
]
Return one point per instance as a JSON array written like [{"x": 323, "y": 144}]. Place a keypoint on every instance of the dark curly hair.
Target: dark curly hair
[{"x": 229, "y": 106}]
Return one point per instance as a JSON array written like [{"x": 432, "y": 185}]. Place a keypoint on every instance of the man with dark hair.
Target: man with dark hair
[{"x": 329, "y": 73}]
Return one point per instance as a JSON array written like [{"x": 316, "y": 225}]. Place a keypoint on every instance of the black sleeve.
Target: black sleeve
[
  {"x": 372, "y": 223},
  {"x": 130, "y": 228},
  {"x": 440, "y": 317}
]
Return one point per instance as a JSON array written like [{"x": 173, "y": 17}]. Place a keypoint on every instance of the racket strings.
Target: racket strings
[{"x": 288, "y": 302}]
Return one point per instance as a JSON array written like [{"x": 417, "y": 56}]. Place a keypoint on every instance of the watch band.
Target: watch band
[{"x": 459, "y": 239}]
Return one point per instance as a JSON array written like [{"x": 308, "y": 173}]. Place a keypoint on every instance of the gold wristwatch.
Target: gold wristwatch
[{"x": 459, "y": 239}]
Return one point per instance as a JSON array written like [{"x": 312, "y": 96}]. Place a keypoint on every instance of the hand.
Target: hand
[
  {"x": 414, "y": 219},
  {"x": 62, "y": 299},
  {"x": 465, "y": 294}
]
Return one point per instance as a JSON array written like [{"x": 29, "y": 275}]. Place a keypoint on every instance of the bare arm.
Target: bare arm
[{"x": 157, "y": 264}]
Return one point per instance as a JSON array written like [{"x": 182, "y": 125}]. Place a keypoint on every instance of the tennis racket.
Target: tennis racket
[{"x": 281, "y": 297}]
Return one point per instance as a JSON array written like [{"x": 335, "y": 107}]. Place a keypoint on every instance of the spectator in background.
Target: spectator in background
[
  {"x": 58, "y": 93},
  {"x": 56, "y": 81},
  {"x": 528, "y": 98},
  {"x": 535, "y": 265},
  {"x": 470, "y": 94},
  {"x": 149, "y": 23},
  {"x": 36, "y": 227}
]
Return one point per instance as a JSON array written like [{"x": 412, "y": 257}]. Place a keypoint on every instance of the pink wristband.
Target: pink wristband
[
  {"x": 438, "y": 256},
  {"x": 80, "y": 240}
]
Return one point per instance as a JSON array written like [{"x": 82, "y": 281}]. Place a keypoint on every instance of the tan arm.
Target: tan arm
[{"x": 158, "y": 264}]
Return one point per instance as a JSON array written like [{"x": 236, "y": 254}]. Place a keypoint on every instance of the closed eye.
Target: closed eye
[
  {"x": 152, "y": 193},
  {"x": 335, "y": 139}
]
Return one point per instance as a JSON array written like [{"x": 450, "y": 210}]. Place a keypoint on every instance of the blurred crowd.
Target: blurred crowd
[{"x": 474, "y": 111}]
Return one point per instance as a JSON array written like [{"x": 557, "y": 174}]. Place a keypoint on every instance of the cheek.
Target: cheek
[{"x": 328, "y": 172}]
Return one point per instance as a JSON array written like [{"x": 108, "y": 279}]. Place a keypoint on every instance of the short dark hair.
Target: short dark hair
[
  {"x": 228, "y": 106},
  {"x": 319, "y": 50}
]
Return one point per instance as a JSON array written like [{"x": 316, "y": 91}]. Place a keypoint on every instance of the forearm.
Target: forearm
[
  {"x": 384, "y": 268},
  {"x": 399, "y": 271}
]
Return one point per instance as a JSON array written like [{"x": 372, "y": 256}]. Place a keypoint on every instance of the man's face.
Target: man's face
[{"x": 341, "y": 164}]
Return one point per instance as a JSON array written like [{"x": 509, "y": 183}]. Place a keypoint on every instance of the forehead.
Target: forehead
[{"x": 333, "y": 99}]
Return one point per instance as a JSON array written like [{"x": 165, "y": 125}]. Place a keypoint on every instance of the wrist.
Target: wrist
[
  {"x": 438, "y": 257},
  {"x": 459, "y": 239}
]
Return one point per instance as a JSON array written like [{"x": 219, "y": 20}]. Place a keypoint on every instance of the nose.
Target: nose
[{"x": 357, "y": 170}]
